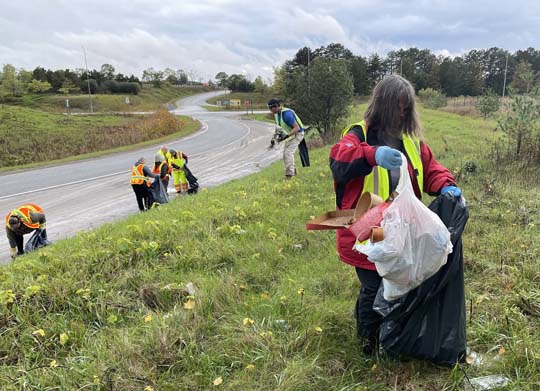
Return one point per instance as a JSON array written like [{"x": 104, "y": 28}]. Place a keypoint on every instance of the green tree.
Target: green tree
[
  {"x": 170, "y": 75},
  {"x": 68, "y": 87},
  {"x": 150, "y": 75},
  {"x": 522, "y": 121},
  {"x": 360, "y": 76},
  {"x": 107, "y": 71},
  {"x": 36, "y": 86},
  {"x": 260, "y": 86},
  {"x": 239, "y": 83},
  {"x": 375, "y": 69},
  {"x": 473, "y": 73},
  {"x": 221, "y": 78},
  {"x": 489, "y": 103},
  {"x": 330, "y": 94},
  {"x": 9, "y": 84},
  {"x": 524, "y": 78}
]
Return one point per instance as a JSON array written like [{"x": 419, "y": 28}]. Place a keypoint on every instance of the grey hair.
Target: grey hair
[{"x": 384, "y": 111}]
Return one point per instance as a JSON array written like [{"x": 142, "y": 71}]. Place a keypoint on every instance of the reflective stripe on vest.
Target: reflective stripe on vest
[
  {"x": 378, "y": 181},
  {"x": 137, "y": 175},
  {"x": 278, "y": 118},
  {"x": 179, "y": 161},
  {"x": 166, "y": 158},
  {"x": 158, "y": 170},
  {"x": 23, "y": 213}
]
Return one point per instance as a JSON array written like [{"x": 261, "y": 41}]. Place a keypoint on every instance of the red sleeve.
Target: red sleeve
[
  {"x": 350, "y": 158},
  {"x": 436, "y": 176}
]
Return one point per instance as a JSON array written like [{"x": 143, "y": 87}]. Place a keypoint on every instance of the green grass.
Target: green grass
[
  {"x": 260, "y": 117},
  {"x": 272, "y": 307},
  {"x": 149, "y": 99},
  {"x": 48, "y": 137}
]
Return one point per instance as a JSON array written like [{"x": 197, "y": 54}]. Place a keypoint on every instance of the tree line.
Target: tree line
[
  {"x": 321, "y": 82},
  {"x": 470, "y": 74},
  {"x": 240, "y": 83},
  {"x": 17, "y": 82}
]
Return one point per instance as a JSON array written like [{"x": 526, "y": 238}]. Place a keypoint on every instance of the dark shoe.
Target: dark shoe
[{"x": 370, "y": 346}]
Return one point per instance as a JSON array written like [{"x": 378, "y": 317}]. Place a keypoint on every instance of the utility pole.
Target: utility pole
[
  {"x": 505, "y": 69},
  {"x": 401, "y": 67},
  {"x": 308, "y": 76},
  {"x": 88, "y": 81}
]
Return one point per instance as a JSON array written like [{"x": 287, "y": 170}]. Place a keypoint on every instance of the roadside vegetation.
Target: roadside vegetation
[
  {"x": 148, "y": 99},
  {"x": 32, "y": 136},
  {"x": 227, "y": 290}
]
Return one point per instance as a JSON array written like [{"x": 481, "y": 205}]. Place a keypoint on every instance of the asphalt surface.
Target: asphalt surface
[{"x": 85, "y": 194}]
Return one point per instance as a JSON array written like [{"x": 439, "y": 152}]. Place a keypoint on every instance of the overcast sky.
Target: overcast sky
[{"x": 246, "y": 36}]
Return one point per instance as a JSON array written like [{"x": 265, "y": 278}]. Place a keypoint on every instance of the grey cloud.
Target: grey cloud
[{"x": 246, "y": 36}]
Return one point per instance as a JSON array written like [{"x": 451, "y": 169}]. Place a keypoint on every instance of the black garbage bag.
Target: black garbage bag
[
  {"x": 192, "y": 180},
  {"x": 37, "y": 240},
  {"x": 158, "y": 192},
  {"x": 304, "y": 153},
  {"x": 429, "y": 321}
]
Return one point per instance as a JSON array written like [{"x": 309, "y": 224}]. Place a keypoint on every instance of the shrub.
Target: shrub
[
  {"x": 120, "y": 87},
  {"x": 521, "y": 125},
  {"x": 489, "y": 103},
  {"x": 93, "y": 86},
  {"x": 432, "y": 98}
]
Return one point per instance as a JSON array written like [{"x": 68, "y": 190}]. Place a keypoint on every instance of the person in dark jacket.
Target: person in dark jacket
[
  {"x": 367, "y": 159},
  {"x": 161, "y": 169},
  {"x": 21, "y": 221},
  {"x": 140, "y": 182}
]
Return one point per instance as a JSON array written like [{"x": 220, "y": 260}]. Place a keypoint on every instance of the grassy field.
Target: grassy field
[
  {"x": 31, "y": 136},
  {"x": 227, "y": 290},
  {"x": 148, "y": 99}
]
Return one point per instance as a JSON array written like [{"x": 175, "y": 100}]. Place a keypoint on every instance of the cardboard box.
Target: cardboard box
[{"x": 360, "y": 221}]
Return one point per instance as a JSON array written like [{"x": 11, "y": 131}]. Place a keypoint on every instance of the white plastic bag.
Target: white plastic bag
[{"x": 416, "y": 242}]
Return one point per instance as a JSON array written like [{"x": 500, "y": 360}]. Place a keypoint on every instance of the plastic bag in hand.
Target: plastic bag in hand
[{"x": 416, "y": 242}]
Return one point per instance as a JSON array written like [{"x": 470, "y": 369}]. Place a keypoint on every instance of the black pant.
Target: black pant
[
  {"x": 367, "y": 320},
  {"x": 19, "y": 240},
  {"x": 142, "y": 194}
]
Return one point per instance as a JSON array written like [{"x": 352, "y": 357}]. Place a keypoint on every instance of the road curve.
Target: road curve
[{"x": 85, "y": 194}]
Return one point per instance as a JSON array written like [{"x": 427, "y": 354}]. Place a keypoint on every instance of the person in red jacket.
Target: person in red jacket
[{"x": 367, "y": 158}]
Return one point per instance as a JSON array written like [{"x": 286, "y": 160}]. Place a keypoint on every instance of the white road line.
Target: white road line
[{"x": 127, "y": 171}]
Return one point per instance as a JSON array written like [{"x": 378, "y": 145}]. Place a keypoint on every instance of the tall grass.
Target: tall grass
[
  {"x": 271, "y": 309},
  {"x": 33, "y": 136}
]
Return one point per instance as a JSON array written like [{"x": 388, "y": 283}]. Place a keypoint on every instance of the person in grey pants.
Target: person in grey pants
[{"x": 293, "y": 135}]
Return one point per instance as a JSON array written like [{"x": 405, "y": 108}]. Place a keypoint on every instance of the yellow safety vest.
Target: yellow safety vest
[
  {"x": 378, "y": 181},
  {"x": 166, "y": 158},
  {"x": 278, "y": 118},
  {"x": 179, "y": 161}
]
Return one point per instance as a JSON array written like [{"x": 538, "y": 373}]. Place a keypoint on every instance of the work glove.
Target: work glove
[
  {"x": 283, "y": 136},
  {"x": 13, "y": 252},
  {"x": 452, "y": 190},
  {"x": 388, "y": 158}
]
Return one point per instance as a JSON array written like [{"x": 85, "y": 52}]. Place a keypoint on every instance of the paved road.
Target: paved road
[{"x": 85, "y": 194}]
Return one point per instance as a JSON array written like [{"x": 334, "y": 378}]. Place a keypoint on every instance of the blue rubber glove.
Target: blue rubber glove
[
  {"x": 388, "y": 158},
  {"x": 452, "y": 190}
]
